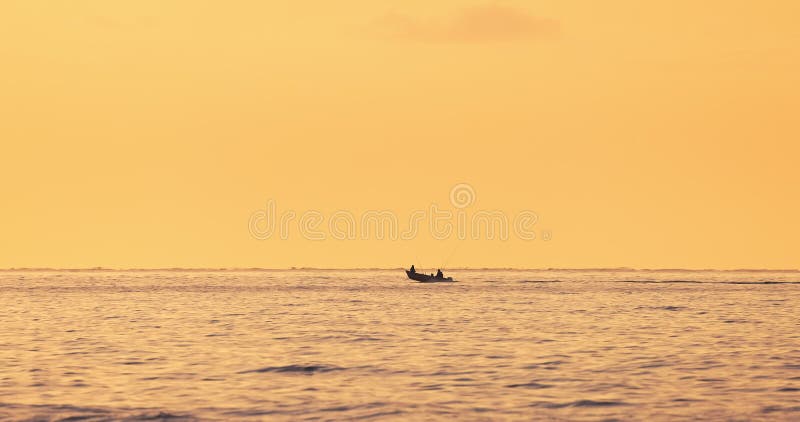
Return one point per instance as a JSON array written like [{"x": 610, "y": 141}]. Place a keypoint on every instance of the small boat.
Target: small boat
[{"x": 424, "y": 278}]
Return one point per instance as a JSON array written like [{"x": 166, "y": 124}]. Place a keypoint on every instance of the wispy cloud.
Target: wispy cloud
[{"x": 478, "y": 24}]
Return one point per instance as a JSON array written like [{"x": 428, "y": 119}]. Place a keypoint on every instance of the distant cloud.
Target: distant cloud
[{"x": 478, "y": 24}]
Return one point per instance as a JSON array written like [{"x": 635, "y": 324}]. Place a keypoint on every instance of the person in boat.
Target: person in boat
[
  {"x": 412, "y": 270},
  {"x": 439, "y": 274}
]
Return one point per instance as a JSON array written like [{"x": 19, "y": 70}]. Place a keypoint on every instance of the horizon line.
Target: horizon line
[{"x": 233, "y": 269}]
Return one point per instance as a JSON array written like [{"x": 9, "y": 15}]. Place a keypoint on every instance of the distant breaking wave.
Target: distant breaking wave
[{"x": 303, "y": 369}]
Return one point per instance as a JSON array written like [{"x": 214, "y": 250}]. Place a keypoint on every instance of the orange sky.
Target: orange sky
[{"x": 643, "y": 134}]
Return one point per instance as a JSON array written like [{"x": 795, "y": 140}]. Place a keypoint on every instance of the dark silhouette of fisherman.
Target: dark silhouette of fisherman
[
  {"x": 439, "y": 274},
  {"x": 412, "y": 270}
]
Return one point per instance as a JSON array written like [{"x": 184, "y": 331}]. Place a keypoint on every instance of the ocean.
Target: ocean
[{"x": 370, "y": 344}]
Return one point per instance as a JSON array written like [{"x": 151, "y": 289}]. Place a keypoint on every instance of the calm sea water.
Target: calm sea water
[{"x": 369, "y": 344}]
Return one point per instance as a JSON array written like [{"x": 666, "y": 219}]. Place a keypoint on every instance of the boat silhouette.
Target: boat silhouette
[{"x": 424, "y": 278}]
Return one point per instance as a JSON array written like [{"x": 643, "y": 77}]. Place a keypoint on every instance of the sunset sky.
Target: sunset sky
[{"x": 643, "y": 134}]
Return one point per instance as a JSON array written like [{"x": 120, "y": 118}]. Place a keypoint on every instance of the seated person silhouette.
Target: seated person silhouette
[
  {"x": 412, "y": 270},
  {"x": 439, "y": 274}
]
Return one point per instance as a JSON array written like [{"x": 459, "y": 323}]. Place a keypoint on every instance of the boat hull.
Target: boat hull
[{"x": 424, "y": 278}]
